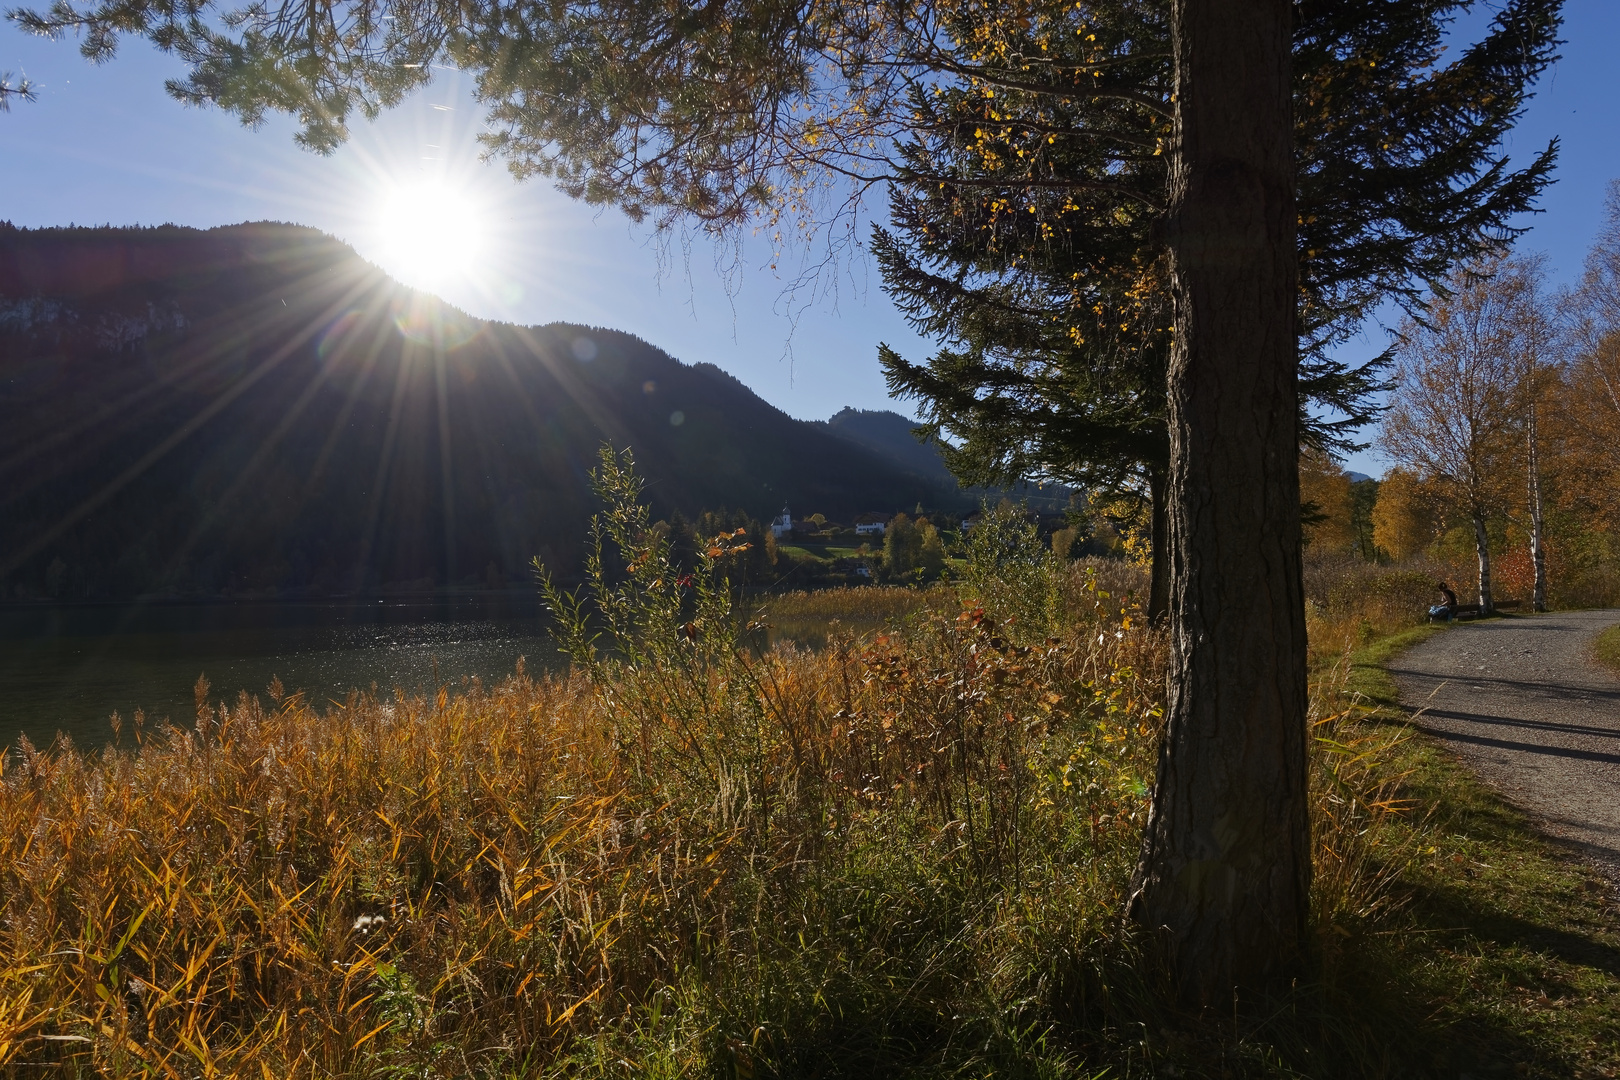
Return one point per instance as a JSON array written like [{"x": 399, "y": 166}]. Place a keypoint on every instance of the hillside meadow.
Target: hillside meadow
[{"x": 903, "y": 854}]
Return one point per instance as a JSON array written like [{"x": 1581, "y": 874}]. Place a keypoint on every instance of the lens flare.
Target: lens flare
[{"x": 430, "y": 325}]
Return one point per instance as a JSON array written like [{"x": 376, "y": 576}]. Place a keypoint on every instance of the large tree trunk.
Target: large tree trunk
[
  {"x": 1159, "y": 567},
  {"x": 1225, "y": 870},
  {"x": 1482, "y": 548},
  {"x": 1538, "y": 553}
]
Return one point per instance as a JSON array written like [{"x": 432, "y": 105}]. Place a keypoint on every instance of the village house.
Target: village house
[{"x": 870, "y": 525}]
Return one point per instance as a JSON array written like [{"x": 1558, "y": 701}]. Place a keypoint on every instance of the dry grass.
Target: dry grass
[
  {"x": 807, "y": 619},
  {"x": 1124, "y": 583},
  {"x": 849, "y": 860},
  {"x": 903, "y": 854},
  {"x": 864, "y": 604},
  {"x": 496, "y": 881},
  {"x": 1350, "y": 603}
]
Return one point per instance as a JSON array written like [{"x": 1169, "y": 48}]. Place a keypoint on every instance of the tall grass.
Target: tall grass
[
  {"x": 835, "y": 856},
  {"x": 875, "y": 604},
  {"x": 807, "y": 619},
  {"x": 1349, "y": 602},
  {"x": 904, "y": 854}
]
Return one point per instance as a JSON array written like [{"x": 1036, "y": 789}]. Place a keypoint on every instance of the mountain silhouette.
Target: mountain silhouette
[{"x": 257, "y": 409}]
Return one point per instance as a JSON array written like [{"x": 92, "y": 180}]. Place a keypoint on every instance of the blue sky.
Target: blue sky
[{"x": 107, "y": 145}]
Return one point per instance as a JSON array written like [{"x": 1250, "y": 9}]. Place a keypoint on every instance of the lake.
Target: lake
[{"x": 66, "y": 668}]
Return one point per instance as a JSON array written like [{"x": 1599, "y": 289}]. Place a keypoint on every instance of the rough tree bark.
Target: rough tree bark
[{"x": 1225, "y": 869}]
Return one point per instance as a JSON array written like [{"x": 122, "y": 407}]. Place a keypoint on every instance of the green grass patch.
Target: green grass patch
[
  {"x": 824, "y": 552},
  {"x": 834, "y": 551},
  {"x": 1369, "y": 678},
  {"x": 797, "y": 551},
  {"x": 1607, "y": 648}
]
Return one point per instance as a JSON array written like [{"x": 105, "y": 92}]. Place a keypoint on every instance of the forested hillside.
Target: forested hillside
[{"x": 255, "y": 408}]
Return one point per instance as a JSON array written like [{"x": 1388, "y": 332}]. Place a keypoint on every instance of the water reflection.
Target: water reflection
[{"x": 66, "y": 668}]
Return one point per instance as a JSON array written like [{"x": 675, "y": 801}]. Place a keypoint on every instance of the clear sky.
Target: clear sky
[{"x": 106, "y": 145}]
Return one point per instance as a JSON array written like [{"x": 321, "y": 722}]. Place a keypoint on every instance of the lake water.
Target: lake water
[{"x": 67, "y": 668}]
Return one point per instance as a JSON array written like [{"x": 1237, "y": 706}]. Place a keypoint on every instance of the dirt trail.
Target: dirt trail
[{"x": 1525, "y": 704}]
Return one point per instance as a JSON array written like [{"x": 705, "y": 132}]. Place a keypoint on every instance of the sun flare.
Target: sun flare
[{"x": 430, "y": 232}]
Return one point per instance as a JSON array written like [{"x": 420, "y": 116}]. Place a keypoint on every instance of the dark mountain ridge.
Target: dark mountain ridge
[
  {"x": 889, "y": 435},
  {"x": 256, "y": 409}
]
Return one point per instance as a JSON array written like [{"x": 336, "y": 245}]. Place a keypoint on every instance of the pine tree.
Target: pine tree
[
  {"x": 22, "y": 90},
  {"x": 1053, "y": 313}
]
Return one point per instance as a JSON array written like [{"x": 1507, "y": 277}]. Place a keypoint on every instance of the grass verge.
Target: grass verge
[
  {"x": 1607, "y": 648},
  {"x": 1506, "y": 943}
]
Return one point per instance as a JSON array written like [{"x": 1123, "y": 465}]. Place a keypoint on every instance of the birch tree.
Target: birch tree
[
  {"x": 1452, "y": 417},
  {"x": 1538, "y": 340}
]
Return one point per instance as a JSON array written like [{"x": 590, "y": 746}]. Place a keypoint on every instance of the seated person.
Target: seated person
[{"x": 1447, "y": 607}]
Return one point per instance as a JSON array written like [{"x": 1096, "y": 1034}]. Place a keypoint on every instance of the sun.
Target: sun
[{"x": 430, "y": 232}]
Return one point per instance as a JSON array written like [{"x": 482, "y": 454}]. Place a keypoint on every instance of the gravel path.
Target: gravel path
[{"x": 1523, "y": 702}]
